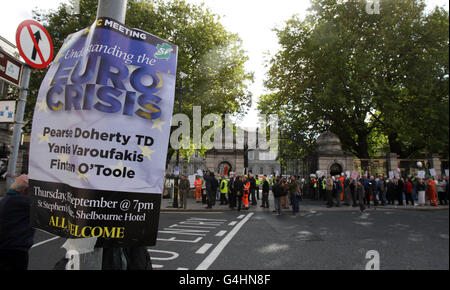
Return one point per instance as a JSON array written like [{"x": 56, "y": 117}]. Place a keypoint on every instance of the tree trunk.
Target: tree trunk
[
  {"x": 363, "y": 146},
  {"x": 394, "y": 145}
]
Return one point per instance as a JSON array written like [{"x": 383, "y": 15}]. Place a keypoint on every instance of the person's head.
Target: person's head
[
  {"x": 293, "y": 178},
  {"x": 372, "y": 178},
  {"x": 264, "y": 177},
  {"x": 20, "y": 184}
]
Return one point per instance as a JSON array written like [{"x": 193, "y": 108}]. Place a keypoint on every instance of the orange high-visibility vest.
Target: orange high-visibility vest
[
  {"x": 341, "y": 179},
  {"x": 247, "y": 187},
  {"x": 432, "y": 192},
  {"x": 198, "y": 189},
  {"x": 245, "y": 195}
]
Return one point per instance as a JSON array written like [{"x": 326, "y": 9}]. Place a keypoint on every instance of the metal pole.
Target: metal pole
[
  {"x": 177, "y": 187},
  {"x": 18, "y": 123},
  {"x": 115, "y": 9}
]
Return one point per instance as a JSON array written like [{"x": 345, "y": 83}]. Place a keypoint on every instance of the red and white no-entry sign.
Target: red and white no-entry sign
[{"x": 34, "y": 44}]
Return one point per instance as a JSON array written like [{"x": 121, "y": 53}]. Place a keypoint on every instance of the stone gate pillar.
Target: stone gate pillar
[
  {"x": 436, "y": 164},
  {"x": 392, "y": 162}
]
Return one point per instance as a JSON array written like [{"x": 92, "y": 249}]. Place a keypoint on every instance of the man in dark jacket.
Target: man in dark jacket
[
  {"x": 399, "y": 191},
  {"x": 16, "y": 234},
  {"x": 293, "y": 189},
  {"x": 265, "y": 193},
  {"x": 232, "y": 191},
  {"x": 337, "y": 190},
  {"x": 359, "y": 188},
  {"x": 185, "y": 185},
  {"x": 239, "y": 188},
  {"x": 372, "y": 191},
  {"x": 211, "y": 188},
  {"x": 390, "y": 191},
  {"x": 277, "y": 194},
  {"x": 252, "y": 188}
]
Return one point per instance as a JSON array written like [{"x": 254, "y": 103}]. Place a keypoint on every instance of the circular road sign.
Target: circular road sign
[{"x": 34, "y": 44}]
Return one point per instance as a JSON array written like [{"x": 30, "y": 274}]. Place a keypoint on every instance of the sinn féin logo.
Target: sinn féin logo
[{"x": 164, "y": 51}]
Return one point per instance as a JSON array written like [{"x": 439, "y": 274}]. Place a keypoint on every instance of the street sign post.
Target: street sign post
[
  {"x": 7, "y": 109},
  {"x": 36, "y": 48},
  {"x": 34, "y": 44},
  {"x": 10, "y": 68}
]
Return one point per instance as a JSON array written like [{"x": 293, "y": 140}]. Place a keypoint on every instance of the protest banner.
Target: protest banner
[
  {"x": 391, "y": 175},
  {"x": 191, "y": 179},
  {"x": 433, "y": 172},
  {"x": 421, "y": 174},
  {"x": 100, "y": 136}
]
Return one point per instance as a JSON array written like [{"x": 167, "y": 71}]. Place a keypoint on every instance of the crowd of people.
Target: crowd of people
[
  {"x": 366, "y": 191},
  {"x": 242, "y": 191}
]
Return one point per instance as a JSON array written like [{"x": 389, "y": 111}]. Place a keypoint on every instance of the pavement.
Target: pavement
[
  {"x": 2, "y": 187},
  {"x": 305, "y": 205}
]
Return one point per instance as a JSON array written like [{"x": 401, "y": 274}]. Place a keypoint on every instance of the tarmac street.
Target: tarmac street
[{"x": 317, "y": 238}]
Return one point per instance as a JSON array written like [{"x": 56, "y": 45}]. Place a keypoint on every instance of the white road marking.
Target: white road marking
[
  {"x": 43, "y": 242},
  {"x": 221, "y": 233},
  {"x": 181, "y": 268},
  {"x": 204, "y": 248},
  {"x": 241, "y": 216},
  {"x": 174, "y": 239},
  {"x": 207, "y": 262},
  {"x": 232, "y": 223},
  {"x": 170, "y": 255},
  {"x": 155, "y": 266}
]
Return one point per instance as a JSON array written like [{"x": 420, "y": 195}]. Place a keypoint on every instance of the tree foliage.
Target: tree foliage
[{"x": 373, "y": 79}]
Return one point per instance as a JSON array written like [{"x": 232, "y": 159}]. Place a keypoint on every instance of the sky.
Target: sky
[{"x": 253, "y": 20}]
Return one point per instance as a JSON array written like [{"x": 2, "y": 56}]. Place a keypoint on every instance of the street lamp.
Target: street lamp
[{"x": 176, "y": 188}]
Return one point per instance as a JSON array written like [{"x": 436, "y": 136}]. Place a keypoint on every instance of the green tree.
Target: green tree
[{"x": 352, "y": 72}]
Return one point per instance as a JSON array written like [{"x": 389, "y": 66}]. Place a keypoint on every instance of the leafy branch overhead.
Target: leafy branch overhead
[{"x": 379, "y": 81}]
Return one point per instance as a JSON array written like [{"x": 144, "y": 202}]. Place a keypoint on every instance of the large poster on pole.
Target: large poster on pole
[{"x": 100, "y": 136}]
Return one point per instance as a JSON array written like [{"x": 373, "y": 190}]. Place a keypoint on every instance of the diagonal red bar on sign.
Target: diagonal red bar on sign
[{"x": 35, "y": 44}]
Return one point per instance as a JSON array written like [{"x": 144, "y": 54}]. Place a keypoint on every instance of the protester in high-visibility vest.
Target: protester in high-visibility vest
[
  {"x": 431, "y": 187},
  {"x": 314, "y": 185},
  {"x": 223, "y": 191},
  {"x": 198, "y": 189},
  {"x": 341, "y": 179},
  {"x": 246, "y": 192}
]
